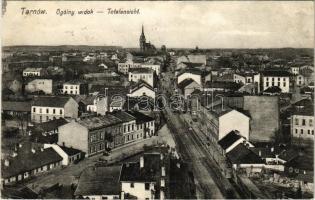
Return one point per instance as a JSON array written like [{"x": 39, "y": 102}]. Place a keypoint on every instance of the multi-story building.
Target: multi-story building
[
  {"x": 195, "y": 75},
  {"x": 144, "y": 123},
  {"x": 75, "y": 87},
  {"x": 154, "y": 67},
  {"x": 124, "y": 67},
  {"x": 280, "y": 79},
  {"x": 302, "y": 121},
  {"x": 148, "y": 178},
  {"x": 36, "y": 85},
  {"x": 92, "y": 135},
  {"x": 33, "y": 72},
  {"x": 219, "y": 121},
  {"x": 142, "y": 74},
  {"x": 246, "y": 78},
  {"x": 45, "y": 108}
]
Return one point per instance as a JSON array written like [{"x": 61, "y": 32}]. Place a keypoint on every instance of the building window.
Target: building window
[
  {"x": 128, "y": 127},
  {"x": 309, "y": 132},
  {"x": 132, "y": 127},
  {"x": 312, "y": 132},
  {"x": 296, "y": 121},
  {"x": 40, "y": 110},
  {"x": 132, "y": 185},
  {"x": 60, "y": 111},
  {"x": 267, "y": 84},
  {"x": 296, "y": 131},
  {"x": 278, "y": 79},
  {"x": 47, "y": 110},
  {"x": 284, "y": 84},
  {"x": 310, "y": 122},
  {"x": 301, "y": 131},
  {"x": 147, "y": 186},
  {"x": 303, "y": 122},
  {"x": 54, "y": 111},
  {"x": 151, "y": 123},
  {"x": 47, "y": 118}
]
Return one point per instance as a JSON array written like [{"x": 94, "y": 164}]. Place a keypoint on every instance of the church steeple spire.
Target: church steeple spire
[
  {"x": 142, "y": 40},
  {"x": 142, "y": 32}
]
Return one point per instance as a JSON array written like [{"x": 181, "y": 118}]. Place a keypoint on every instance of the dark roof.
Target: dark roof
[
  {"x": 131, "y": 172},
  {"x": 70, "y": 151},
  {"x": 139, "y": 84},
  {"x": 50, "y": 125},
  {"x": 99, "y": 181},
  {"x": 223, "y": 85},
  {"x": 123, "y": 116},
  {"x": 31, "y": 161},
  {"x": 17, "y": 193},
  {"x": 192, "y": 71},
  {"x": 19, "y": 106},
  {"x": 185, "y": 83},
  {"x": 273, "y": 89},
  {"x": 243, "y": 155},
  {"x": 140, "y": 117},
  {"x": 53, "y": 101},
  {"x": 276, "y": 73},
  {"x": 304, "y": 102},
  {"x": 229, "y": 139},
  {"x": 97, "y": 122},
  {"x": 192, "y": 65},
  {"x": 303, "y": 107}
]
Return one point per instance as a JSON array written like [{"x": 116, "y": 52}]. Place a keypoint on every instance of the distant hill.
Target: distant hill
[{"x": 35, "y": 48}]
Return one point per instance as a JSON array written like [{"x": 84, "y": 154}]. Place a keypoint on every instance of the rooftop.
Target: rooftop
[
  {"x": 273, "y": 89},
  {"x": 70, "y": 151},
  {"x": 19, "y": 106},
  {"x": 28, "y": 162},
  {"x": 243, "y": 155},
  {"x": 123, "y": 116},
  {"x": 50, "y": 101},
  {"x": 141, "y": 83},
  {"x": 32, "y": 69},
  {"x": 99, "y": 122},
  {"x": 276, "y": 73},
  {"x": 140, "y": 117},
  {"x": 50, "y": 125},
  {"x": 141, "y": 71},
  {"x": 99, "y": 181},
  {"x": 131, "y": 172},
  {"x": 229, "y": 139}
]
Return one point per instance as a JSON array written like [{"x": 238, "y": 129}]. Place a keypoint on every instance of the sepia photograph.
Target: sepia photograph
[{"x": 157, "y": 100}]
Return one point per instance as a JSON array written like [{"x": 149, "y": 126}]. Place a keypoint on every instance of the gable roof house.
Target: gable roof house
[
  {"x": 45, "y": 108},
  {"x": 23, "y": 167}
]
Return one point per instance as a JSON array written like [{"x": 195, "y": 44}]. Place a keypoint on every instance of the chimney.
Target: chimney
[
  {"x": 33, "y": 150},
  {"x": 106, "y": 90},
  {"x": 20, "y": 145},
  {"x": 162, "y": 197},
  {"x": 141, "y": 162},
  {"x": 161, "y": 156},
  {"x": 178, "y": 165},
  {"x": 163, "y": 171},
  {"x": 259, "y": 153},
  {"x": 6, "y": 163},
  {"x": 272, "y": 149},
  {"x": 122, "y": 195}
]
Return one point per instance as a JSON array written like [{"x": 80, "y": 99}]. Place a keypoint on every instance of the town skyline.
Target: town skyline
[{"x": 223, "y": 28}]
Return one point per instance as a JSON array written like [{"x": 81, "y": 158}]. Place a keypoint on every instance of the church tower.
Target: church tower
[{"x": 142, "y": 41}]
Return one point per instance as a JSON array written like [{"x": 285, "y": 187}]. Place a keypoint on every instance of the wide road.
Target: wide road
[
  {"x": 209, "y": 183},
  {"x": 191, "y": 153}
]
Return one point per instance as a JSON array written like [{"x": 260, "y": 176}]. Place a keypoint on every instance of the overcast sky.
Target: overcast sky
[{"x": 176, "y": 24}]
